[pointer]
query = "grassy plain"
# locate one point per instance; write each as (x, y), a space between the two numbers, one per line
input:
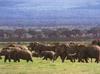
(40, 66)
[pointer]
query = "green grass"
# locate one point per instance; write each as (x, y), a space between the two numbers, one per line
(47, 67)
(40, 66)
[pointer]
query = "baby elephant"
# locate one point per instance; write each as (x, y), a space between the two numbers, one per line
(48, 54)
(35, 54)
(72, 57)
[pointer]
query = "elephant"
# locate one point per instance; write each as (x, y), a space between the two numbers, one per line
(25, 55)
(48, 54)
(61, 50)
(10, 54)
(38, 47)
(72, 57)
(23, 47)
(72, 52)
(16, 54)
(90, 51)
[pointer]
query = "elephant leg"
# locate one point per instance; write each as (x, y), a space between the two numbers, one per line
(31, 60)
(15, 60)
(51, 58)
(18, 60)
(9, 60)
(9, 57)
(46, 58)
(63, 58)
(55, 57)
(86, 60)
(43, 58)
(71, 60)
(27, 60)
(80, 60)
(5, 59)
(97, 60)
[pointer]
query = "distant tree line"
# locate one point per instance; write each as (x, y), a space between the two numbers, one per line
(49, 34)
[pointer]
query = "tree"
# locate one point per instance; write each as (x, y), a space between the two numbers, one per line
(20, 33)
(94, 31)
(76, 32)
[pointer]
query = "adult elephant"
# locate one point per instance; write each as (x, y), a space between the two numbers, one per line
(23, 47)
(72, 52)
(90, 51)
(10, 54)
(39, 47)
(16, 54)
(61, 50)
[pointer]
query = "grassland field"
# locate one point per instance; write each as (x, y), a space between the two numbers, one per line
(40, 66)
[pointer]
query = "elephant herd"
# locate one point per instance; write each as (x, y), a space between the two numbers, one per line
(66, 51)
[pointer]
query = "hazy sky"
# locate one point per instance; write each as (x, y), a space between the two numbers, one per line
(49, 10)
